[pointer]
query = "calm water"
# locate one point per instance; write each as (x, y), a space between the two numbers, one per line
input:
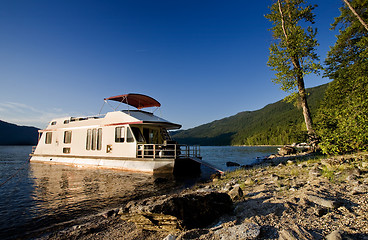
(40, 195)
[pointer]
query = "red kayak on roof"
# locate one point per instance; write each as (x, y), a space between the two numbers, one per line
(136, 100)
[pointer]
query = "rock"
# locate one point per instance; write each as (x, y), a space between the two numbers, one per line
(216, 176)
(351, 177)
(170, 237)
(315, 172)
(246, 166)
(236, 192)
(365, 164)
(193, 234)
(242, 231)
(322, 202)
(160, 180)
(228, 187)
(196, 209)
(286, 235)
(295, 232)
(287, 150)
(320, 211)
(232, 164)
(360, 189)
(109, 213)
(274, 177)
(335, 235)
(153, 221)
(249, 181)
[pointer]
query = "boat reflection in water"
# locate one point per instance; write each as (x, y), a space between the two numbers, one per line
(63, 192)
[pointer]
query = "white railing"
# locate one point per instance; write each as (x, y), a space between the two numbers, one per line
(167, 151)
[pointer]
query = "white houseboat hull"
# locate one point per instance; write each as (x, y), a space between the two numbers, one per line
(150, 166)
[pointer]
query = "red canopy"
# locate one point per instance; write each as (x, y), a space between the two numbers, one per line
(136, 100)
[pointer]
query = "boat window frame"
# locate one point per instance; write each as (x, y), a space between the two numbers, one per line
(89, 139)
(153, 134)
(137, 133)
(99, 139)
(48, 138)
(94, 136)
(94, 139)
(130, 136)
(120, 134)
(67, 137)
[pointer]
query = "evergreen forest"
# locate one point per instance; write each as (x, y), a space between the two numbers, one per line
(276, 124)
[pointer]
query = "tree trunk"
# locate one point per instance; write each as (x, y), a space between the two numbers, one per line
(303, 98)
(305, 107)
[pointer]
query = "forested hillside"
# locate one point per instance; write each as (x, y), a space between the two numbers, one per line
(275, 124)
(11, 134)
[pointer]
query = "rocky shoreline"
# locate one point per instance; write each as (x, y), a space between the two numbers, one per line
(293, 197)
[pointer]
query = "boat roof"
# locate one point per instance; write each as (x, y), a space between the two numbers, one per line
(136, 100)
(113, 119)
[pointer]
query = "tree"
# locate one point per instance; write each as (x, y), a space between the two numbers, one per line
(343, 116)
(293, 55)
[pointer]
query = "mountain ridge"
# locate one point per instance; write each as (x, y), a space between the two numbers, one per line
(12, 134)
(275, 124)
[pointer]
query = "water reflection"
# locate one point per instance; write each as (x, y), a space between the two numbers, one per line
(63, 193)
(57, 185)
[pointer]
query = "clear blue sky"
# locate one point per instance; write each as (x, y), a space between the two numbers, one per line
(202, 59)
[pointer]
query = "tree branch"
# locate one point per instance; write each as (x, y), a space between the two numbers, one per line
(283, 22)
(356, 14)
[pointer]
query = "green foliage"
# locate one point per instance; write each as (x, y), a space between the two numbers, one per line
(343, 117)
(275, 124)
(293, 55)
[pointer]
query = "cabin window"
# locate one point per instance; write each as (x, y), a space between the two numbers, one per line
(66, 150)
(94, 139)
(151, 136)
(99, 139)
(88, 140)
(138, 134)
(48, 138)
(53, 123)
(130, 137)
(94, 135)
(119, 134)
(67, 136)
(66, 121)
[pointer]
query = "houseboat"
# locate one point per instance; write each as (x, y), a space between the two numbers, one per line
(130, 140)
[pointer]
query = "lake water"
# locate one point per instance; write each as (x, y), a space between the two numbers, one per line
(36, 195)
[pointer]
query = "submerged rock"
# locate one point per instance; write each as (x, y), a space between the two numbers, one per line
(232, 164)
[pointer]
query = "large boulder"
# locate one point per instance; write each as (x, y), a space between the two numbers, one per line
(287, 150)
(194, 210)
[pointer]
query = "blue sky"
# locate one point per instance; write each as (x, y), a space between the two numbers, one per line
(203, 60)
